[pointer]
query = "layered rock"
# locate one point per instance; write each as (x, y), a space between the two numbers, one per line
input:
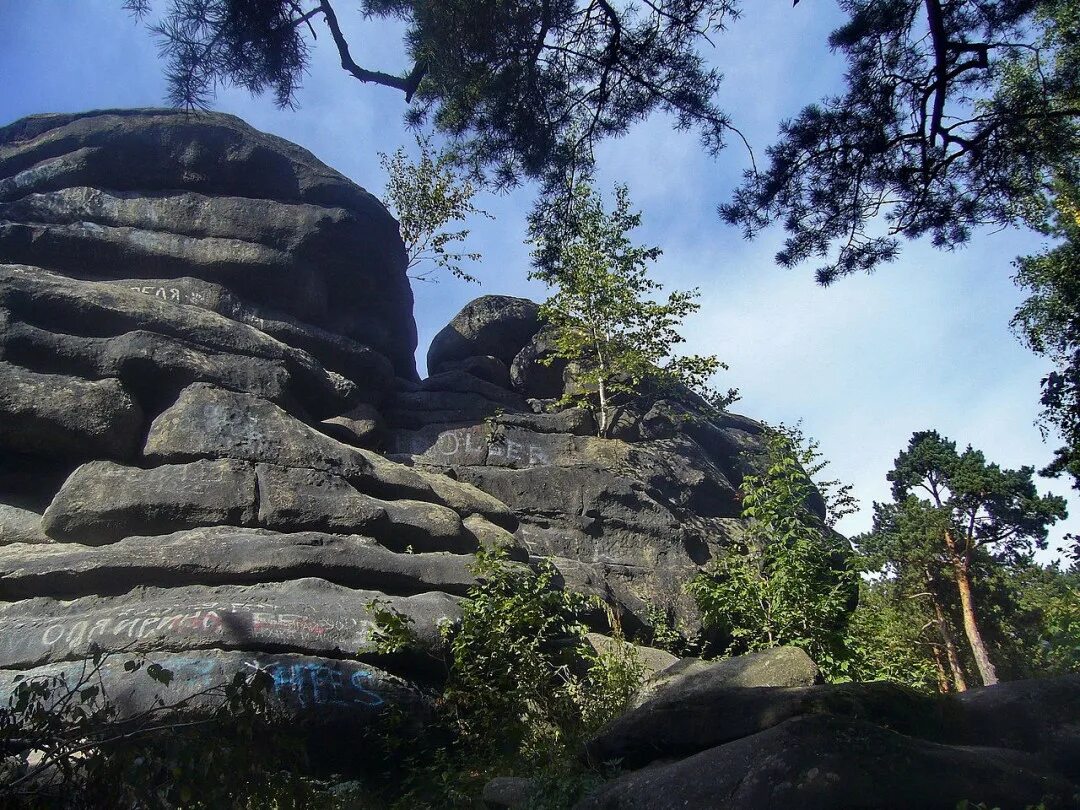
(631, 517)
(190, 310)
(215, 452)
(740, 733)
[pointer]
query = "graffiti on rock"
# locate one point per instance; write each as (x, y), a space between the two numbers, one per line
(236, 620)
(315, 684)
(475, 446)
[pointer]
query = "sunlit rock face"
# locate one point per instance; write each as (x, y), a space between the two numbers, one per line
(632, 516)
(214, 445)
(189, 309)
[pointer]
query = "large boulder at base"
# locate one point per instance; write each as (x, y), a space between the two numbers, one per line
(490, 326)
(690, 745)
(781, 666)
(680, 722)
(836, 763)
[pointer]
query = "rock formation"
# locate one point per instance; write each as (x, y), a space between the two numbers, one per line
(758, 732)
(183, 302)
(631, 517)
(215, 451)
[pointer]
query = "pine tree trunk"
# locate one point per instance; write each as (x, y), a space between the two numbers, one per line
(971, 628)
(967, 609)
(939, 670)
(950, 650)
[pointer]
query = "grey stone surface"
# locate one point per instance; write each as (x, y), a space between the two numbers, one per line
(652, 659)
(833, 763)
(493, 325)
(164, 193)
(461, 382)
(20, 526)
(465, 499)
(183, 338)
(485, 367)
(679, 723)
(780, 666)
(338, 353)
(103, 502)
(508, 793)
(490, 537)
(535, 372)
(362, 426)
(67, 417)
(1038, 715)
(308, 616)
(208, 422)
(224, 555)
(299, 499)
(307, 692)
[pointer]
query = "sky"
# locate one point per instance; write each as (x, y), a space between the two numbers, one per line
(924, 343)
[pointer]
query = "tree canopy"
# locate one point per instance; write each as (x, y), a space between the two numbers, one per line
(602, 313)
(1049, 323)
(953, 512)
(526, 87)
(955, 114)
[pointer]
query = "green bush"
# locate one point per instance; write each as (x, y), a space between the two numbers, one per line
(523, 690)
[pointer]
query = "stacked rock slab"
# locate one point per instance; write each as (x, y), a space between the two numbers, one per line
(184, 302)
(631, 517)
(757, 731)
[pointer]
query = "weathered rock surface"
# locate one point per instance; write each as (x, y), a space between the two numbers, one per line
(103, 502)
(491, 326)
(808, 746)
(20, 526)
(653, 660)
(310, 692)
(646, 515)
(680, 722)
(227, 556)
(158, 194)
(824, 762)
(782, 666)
(309, 616)
(55, 415)
(188, 307)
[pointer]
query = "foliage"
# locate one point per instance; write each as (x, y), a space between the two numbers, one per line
(601, 311)
(889, 637)
(426, 196)
(64, 742)
(1049, 323)
(1034, 619)
(522, 691)
(955, 114)
(912, 580)
(525, 88)
(790, 583)
(667, 633)
(973, 515)
(990, 506)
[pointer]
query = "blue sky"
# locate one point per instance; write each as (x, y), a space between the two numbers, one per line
(923, 343)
